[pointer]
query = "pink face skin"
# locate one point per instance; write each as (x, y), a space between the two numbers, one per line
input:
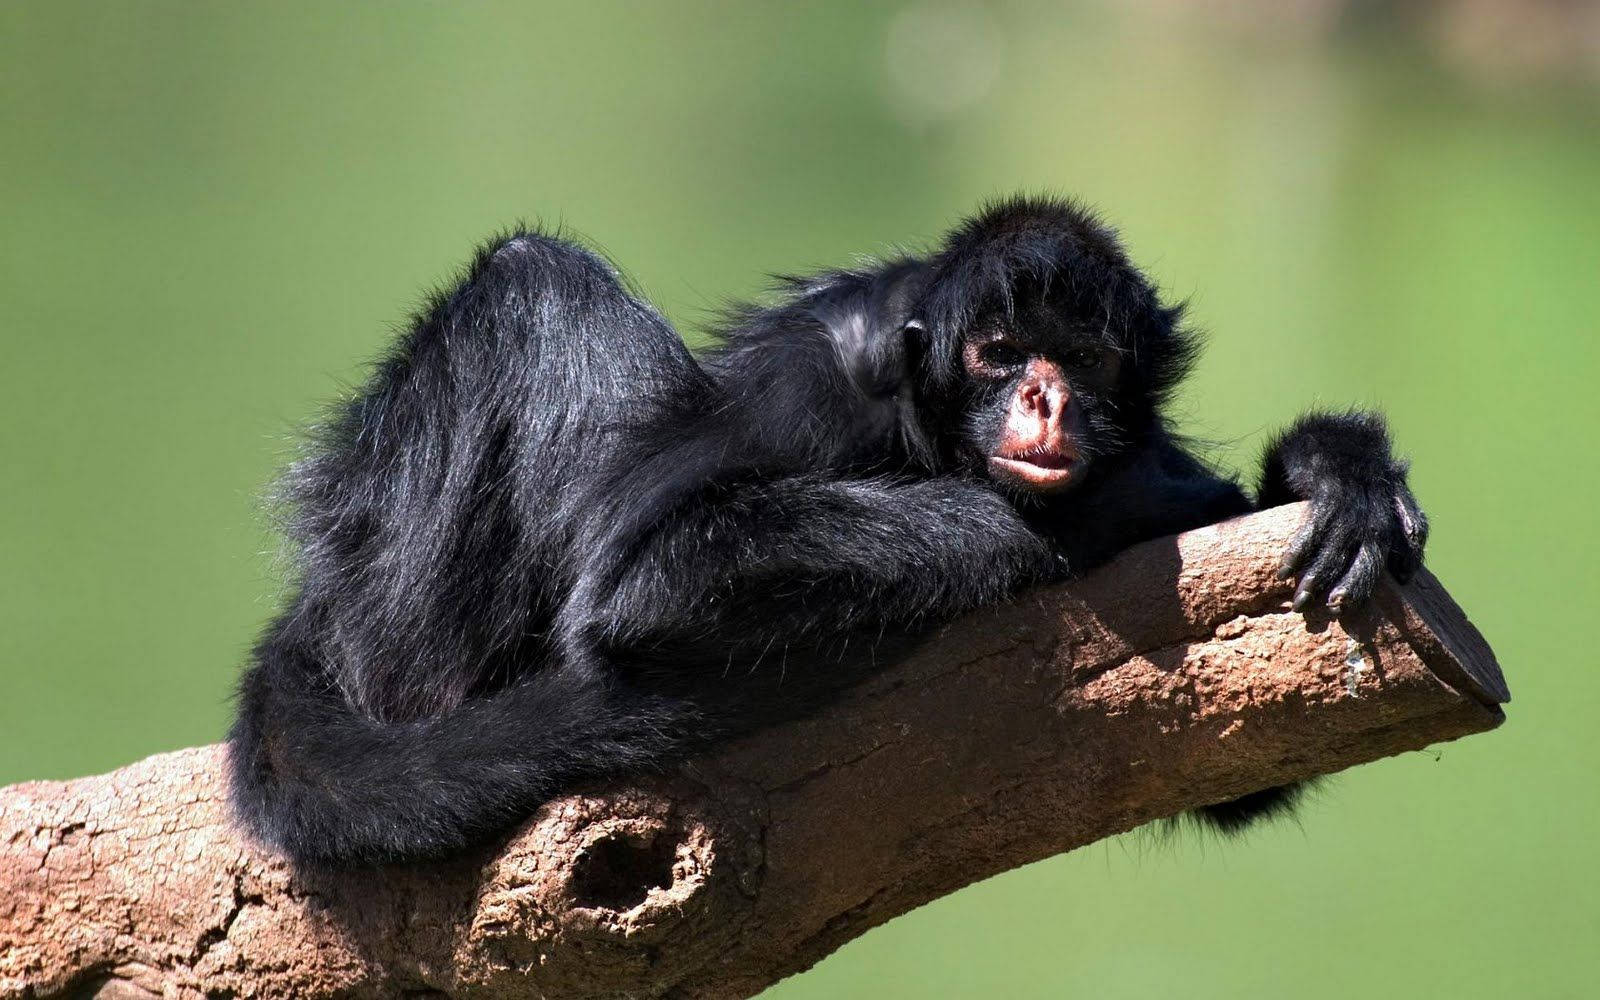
(1037, 450)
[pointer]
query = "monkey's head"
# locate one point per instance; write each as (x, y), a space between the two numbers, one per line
(1047, 353)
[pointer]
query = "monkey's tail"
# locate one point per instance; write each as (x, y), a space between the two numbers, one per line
(327, 785)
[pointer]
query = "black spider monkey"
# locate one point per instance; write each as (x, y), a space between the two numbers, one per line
(547, 544)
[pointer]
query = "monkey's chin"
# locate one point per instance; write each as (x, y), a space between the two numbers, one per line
(1045, 474)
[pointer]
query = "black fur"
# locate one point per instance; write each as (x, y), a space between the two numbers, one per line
(547, 544)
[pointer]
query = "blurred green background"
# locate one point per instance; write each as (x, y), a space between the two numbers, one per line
(214, 215)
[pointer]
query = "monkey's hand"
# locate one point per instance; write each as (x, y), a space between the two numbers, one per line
(1363, 516)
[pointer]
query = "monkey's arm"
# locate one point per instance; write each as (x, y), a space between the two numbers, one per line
(1160, 489)
(802, 559)
(1362, 515)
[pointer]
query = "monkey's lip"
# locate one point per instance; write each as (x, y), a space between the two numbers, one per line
(1038, 467)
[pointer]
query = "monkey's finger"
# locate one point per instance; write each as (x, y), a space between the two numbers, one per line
(1328, 566)
(1355, 587)
(1307, 538)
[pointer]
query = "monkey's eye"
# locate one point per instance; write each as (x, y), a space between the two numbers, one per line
(1001, 354)
(1087, 357)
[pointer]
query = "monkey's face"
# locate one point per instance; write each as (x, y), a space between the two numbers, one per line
(1048, 352)
(1040, 406)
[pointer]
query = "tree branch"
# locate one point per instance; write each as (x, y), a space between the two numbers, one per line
(1172, 678)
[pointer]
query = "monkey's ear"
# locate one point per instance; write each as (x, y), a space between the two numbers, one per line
(898, 359)
(914, 341)
(915, 439)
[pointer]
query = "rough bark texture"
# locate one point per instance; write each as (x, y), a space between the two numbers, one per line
(1172, 678)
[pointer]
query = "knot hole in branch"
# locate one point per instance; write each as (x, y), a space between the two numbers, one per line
(618, 871)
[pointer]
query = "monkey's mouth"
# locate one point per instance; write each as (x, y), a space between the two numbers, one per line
(1040, 467)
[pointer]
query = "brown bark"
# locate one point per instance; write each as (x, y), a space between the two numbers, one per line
(1172, 678)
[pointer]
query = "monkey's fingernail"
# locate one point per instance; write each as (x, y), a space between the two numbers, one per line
(1285, 569)
(1301, 599)
(1337, 599)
